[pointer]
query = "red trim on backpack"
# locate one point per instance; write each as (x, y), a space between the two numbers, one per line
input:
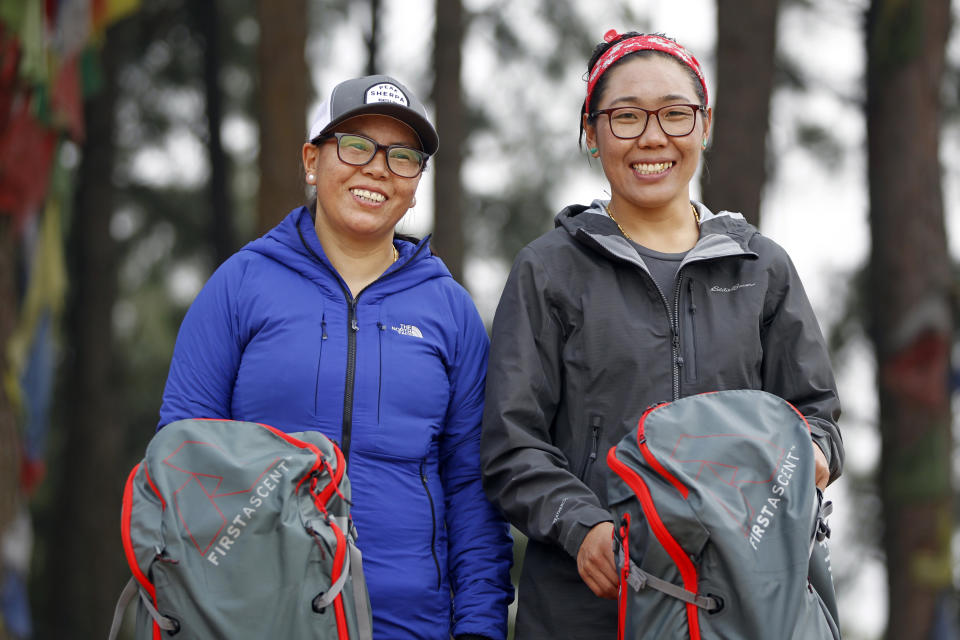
(163, 503)
(688, 572)
(342, 630)
(334, 485)
(624, 572)
(300, 444)
(802, 417)
(651, 460)
(125, 516)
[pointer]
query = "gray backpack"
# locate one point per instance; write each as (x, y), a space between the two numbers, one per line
(239, 530)
(721, 528)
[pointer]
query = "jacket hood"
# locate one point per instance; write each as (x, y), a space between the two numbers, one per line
(721, 234)
(294, 244)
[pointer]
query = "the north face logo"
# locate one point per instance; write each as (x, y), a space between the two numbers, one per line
(408, 330)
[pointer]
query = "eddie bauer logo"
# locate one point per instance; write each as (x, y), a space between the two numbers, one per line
(198, 500)
(739, 285)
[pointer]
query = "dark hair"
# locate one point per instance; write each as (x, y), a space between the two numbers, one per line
(601, 85)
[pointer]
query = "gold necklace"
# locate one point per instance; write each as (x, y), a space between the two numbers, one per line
(696, 216)
(396, 254)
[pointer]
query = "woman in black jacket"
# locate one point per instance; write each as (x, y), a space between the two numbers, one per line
(643, 298)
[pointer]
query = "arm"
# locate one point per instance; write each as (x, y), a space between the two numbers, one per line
(480, 548)
(207, 352)
(796, 364)
(525, 473)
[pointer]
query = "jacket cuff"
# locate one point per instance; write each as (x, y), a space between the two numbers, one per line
(823, 440)
(578, 530)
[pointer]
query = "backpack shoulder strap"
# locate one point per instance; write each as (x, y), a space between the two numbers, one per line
(130, 592)
(639, 579)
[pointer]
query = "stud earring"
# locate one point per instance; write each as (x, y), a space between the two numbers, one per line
(311, 178)
(594, 151)
(704, 145)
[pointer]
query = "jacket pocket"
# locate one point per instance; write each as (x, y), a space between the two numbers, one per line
(689, 354)
(316, 386)
(593, 446)
(433, 530)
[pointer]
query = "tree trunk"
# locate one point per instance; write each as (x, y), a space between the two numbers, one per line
(83, 560)
(9, 435)
(221, 214)
(909, 289)
(373, 40)
(451, 123)
(283, 95)
(736, 164)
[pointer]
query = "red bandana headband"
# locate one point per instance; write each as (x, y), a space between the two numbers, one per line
(641, 43)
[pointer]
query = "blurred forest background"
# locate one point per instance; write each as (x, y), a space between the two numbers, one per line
(141, 143)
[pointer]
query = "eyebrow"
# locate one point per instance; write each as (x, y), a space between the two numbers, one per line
(411, 145)
(667, 98)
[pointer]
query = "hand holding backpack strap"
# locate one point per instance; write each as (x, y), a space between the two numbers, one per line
(638, 579)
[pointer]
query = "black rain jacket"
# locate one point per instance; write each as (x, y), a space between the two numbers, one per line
(584, 341)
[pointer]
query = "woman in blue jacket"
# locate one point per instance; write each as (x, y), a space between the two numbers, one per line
(330, 322)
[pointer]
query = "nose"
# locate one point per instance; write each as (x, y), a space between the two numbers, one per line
(652, 135)
(377, 167)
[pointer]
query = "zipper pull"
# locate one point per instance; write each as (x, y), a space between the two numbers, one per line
(595, 424)
(354, 325)
(323, 328)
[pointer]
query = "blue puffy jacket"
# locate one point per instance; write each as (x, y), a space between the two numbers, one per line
(396, 376)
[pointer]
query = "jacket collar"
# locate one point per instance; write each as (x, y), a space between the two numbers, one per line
(723, 234)
(294, 243)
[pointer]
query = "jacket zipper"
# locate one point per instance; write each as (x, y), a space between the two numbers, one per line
(673, 319)
(690, 363)
(352, 329)
(596, 425)
(675, 330)
(433, 518)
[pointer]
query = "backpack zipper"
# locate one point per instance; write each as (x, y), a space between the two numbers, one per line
(433, 530)
(651, 459)
(688, 571)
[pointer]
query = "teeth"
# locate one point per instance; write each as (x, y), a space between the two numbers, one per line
(372, 196)
(646, 168)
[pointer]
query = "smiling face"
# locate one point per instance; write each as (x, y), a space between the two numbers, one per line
(361, 204)
(652, 172)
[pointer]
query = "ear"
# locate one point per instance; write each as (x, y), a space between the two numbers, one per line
(707, 123)
(590, 133)
(311, 158)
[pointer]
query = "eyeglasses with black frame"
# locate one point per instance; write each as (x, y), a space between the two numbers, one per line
(676, 120)
(357, 150)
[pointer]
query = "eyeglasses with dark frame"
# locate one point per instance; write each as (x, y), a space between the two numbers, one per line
(357, 150)
(676, 120)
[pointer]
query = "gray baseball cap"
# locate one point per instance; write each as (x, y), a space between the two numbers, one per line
(378, 94)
